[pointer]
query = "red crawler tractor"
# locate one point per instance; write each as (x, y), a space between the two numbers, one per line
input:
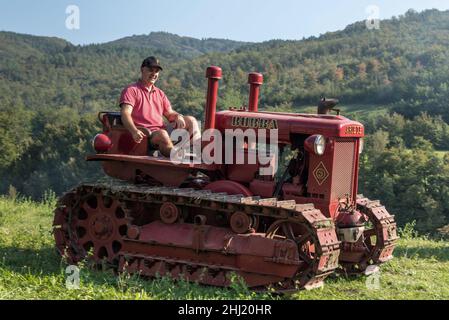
(204, 222)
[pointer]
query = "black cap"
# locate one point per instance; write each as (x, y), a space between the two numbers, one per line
(151, 62)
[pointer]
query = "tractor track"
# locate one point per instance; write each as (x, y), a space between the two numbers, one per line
(318, 233)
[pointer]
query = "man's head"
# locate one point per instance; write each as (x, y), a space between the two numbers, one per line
(150, 70)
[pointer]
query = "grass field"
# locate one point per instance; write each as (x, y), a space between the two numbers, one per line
(31, 269)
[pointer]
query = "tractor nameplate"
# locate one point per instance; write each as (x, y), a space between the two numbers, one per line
(354, 130)
(256, 123)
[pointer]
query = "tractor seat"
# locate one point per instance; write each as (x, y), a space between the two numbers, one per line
(114, 119)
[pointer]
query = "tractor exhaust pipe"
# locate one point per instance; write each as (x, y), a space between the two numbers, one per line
(255, 80)
(213, 73)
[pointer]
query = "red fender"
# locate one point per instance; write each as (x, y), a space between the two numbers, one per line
(230, 187)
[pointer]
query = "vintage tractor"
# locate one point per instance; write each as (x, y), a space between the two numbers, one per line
(205, 222)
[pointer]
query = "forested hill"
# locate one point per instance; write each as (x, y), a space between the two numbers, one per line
(403, 65)
(85, 78)
(51, 90)
(187, 47)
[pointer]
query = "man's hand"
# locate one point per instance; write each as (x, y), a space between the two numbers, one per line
(129, 124)
(138, 136)
(180, 122)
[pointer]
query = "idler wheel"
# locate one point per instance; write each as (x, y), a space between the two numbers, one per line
(169, 213)
(133, 232)
(240, 222)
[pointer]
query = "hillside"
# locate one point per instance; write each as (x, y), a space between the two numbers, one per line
(404, 65)
(31, 269)
(51, 90)
(187, 46)
(86, 78)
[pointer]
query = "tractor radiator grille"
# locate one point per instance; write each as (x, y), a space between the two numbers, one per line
(344, 168)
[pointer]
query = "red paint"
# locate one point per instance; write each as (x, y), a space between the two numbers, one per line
(246, 252)
(262, 188)
(230, 187)
(255, 80)
(102, 143)
(213, 74)
(288, 123)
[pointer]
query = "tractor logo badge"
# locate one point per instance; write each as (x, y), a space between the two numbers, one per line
(320, 173)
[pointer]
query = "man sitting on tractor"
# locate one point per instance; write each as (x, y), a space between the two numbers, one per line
(144, 105)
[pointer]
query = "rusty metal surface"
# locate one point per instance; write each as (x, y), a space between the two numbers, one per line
(378, 242)
(149, 160)
(299, 254)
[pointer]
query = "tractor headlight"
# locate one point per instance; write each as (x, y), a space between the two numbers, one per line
(315, 144)
(319, 144)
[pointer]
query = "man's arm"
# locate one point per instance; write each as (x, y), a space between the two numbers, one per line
(173, 116)
(128, 122)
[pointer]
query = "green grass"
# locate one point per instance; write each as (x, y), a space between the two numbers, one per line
(31, 269)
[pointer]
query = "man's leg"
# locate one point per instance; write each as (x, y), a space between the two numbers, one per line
(192, 127)
(161, 140)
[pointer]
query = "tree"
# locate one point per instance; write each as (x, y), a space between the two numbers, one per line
(339, 74)
(362, 71)
(15, 133)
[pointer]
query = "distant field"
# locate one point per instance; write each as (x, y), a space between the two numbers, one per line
(30, 269)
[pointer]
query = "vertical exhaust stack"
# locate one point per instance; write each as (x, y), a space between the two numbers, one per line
(213, 73)
(255, 80)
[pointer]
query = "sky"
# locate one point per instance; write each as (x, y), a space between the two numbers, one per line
(99, 21)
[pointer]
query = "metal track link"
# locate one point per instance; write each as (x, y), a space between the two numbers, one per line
(321, 229)
(384, 226)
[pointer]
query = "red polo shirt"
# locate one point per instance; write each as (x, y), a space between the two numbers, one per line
(148, 106)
